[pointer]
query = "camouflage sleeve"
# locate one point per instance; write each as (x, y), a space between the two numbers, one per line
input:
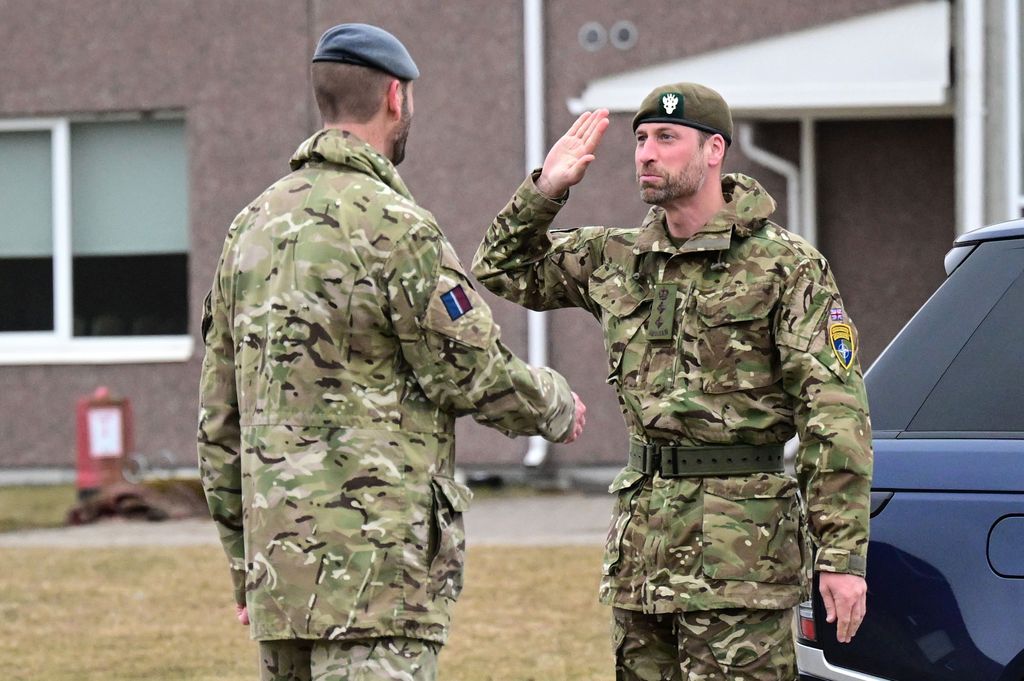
(818, 351)
(521, 261)
(451, 341)
(219, 436)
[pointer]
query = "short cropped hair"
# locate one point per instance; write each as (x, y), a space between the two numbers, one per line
(703, 136)
(347, 92)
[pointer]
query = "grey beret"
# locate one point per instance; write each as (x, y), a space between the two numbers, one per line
(365, 45)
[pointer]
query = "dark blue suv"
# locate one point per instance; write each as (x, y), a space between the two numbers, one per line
(946, 559)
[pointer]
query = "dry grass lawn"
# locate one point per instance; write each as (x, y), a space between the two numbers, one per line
(163, 614)
(28, 507)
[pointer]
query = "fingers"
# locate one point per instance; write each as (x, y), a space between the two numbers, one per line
(830, 603)
(856, 617)
(580, 419)
(845, 599)
(593, 129)
(589, 127)
(242, 613)
(579, 123)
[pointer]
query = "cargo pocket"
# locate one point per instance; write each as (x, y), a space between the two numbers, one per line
(734, 344)
(751, 529)
(626, 486)
(207, 321)
(753, 644)
(447, 549)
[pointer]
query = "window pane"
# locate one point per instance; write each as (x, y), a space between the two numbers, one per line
(129, 228)
(128, 188)
(26, 231)
(125, 295)
(981, 390)
(902, 378)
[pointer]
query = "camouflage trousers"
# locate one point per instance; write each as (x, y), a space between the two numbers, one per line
(396, 657)
(712, 645)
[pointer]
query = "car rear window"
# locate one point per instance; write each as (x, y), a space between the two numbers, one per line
(958, 364)
(982, 389)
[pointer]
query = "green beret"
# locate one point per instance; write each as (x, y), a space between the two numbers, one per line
(365, 45)
(689, 104)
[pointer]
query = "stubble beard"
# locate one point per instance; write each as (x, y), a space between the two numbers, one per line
(682, 185)
(401, 135)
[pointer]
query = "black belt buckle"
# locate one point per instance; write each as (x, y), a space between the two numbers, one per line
(652, 456)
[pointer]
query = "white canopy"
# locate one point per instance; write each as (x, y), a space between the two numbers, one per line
(876, 63)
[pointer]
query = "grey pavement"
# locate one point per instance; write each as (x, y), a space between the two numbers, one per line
(532, 520)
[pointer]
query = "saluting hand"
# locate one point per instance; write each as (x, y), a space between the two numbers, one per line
(567, 161)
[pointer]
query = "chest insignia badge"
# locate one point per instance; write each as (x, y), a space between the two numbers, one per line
(663, 314)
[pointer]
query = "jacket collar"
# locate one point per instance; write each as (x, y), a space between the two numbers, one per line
(342, 148)
(746, 210)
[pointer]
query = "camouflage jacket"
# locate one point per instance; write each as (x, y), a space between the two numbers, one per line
(343, 338)
(744, 357)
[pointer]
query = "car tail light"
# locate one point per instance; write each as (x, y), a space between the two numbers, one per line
(805, 621)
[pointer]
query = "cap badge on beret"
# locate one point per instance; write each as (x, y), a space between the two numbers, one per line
(669, 102)
(689, 104)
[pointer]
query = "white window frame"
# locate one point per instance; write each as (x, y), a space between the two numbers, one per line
(60, 346)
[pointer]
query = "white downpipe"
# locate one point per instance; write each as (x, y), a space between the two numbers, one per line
(808, 182)
(63, 324)
(1011, 90)
(972, 119)
(533, 70)
(788, 169)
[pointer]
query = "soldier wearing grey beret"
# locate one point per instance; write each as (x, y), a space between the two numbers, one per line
(365, 45)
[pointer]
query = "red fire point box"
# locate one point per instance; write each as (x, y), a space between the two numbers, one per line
(104, 439)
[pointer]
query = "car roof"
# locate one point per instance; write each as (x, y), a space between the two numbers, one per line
(1003, 230)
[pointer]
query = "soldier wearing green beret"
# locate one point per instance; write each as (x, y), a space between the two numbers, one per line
(726, 336)
(343, 338)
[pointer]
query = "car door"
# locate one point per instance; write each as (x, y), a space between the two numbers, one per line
(946, 558)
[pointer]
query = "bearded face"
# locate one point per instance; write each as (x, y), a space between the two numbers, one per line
(659, 185)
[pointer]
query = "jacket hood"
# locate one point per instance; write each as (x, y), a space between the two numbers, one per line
(342, 148)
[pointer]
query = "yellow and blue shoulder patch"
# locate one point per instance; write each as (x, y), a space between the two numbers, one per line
(840, 338)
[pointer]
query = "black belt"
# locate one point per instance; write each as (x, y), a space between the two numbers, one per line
(680, 461)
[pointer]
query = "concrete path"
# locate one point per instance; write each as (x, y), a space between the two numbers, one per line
(538, 520)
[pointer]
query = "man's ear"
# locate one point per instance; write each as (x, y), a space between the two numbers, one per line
(394, 99)
(716, 150)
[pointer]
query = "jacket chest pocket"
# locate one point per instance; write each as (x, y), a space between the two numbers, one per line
(734, 338)
(625, 308)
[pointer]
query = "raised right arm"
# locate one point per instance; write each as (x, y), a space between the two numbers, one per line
(519, 259)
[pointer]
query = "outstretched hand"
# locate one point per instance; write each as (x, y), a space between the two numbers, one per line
(579, 421)
(567, 161)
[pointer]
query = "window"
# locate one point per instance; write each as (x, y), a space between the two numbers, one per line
(93, 241)
(954, 367)
(980, 391)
